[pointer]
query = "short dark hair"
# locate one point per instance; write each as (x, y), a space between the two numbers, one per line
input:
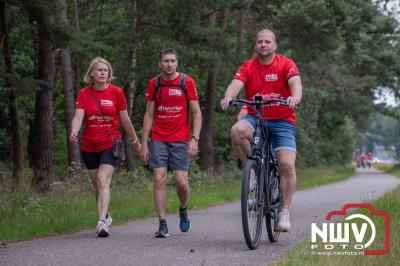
(168, 51)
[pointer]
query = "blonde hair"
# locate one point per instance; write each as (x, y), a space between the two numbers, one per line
(88, 76)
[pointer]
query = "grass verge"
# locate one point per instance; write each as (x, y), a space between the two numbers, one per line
(26, 214)
(389, 168)
(67, 208)
(312, 177)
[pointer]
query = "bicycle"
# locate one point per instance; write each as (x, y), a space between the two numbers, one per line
(260, 185)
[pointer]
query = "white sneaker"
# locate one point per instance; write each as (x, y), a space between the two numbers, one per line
(108, 219)
(102, 229)
(283, 223)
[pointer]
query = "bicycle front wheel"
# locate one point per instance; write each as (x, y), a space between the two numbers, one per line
(252, 210)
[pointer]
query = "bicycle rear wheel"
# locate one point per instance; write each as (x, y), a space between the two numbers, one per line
(252, 211)
(272, 206)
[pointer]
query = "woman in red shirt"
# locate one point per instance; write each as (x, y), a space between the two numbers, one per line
(102, 107)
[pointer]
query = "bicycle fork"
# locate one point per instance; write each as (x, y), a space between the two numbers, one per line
(261, 182)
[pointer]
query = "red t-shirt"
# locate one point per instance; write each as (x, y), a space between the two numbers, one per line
(270, 81)
(170, 112)
(96, 134)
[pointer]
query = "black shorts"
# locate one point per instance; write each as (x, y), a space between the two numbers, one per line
(93, 160)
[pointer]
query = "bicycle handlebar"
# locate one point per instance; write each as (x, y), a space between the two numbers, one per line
(258, 102)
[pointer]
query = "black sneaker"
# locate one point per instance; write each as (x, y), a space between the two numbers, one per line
(162, 230)
(184, 224)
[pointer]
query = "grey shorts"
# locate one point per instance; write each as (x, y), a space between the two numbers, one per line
(172, 155)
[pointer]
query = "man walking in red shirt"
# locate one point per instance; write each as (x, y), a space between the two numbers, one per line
(272, 76)
(169, 98)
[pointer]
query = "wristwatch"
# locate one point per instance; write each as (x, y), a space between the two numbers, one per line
(133, 141)
(195, 138)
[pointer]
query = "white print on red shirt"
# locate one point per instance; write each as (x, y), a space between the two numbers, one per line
(105, 102)
(103, 119)
(100, 118)
(170, 109)
(271, 95)
(175, 92)
(168, 116)
(271, 77)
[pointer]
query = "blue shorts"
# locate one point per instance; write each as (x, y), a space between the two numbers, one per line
(173, 155)
(283, 134)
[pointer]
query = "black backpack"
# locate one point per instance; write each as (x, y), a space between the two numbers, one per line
(158, 87)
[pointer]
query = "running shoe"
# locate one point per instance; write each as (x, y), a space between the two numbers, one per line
(102, 229)
(283, 222)
(108, 219)
(184, 224)
(162, 230)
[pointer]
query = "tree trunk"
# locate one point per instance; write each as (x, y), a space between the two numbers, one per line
(240, 57)
(207, 158)
(76, 14)
(42, 127)
(42, 123)
(14, 109)
(321, 115)
(240, 34)
(74, 156)
(130, 85)
(77, 28)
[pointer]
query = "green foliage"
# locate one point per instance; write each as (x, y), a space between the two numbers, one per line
(384, 130)
(338, 140)
(345, 50)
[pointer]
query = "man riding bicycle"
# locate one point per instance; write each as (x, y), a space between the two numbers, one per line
(272, 76)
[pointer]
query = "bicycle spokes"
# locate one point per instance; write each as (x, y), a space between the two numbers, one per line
(252, 209)
(271, 217)
(252, 197)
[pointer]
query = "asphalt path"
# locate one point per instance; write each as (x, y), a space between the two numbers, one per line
(215, 238)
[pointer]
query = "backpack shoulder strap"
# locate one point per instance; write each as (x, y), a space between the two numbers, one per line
(183, 88)
(157, 85)
(182, 83)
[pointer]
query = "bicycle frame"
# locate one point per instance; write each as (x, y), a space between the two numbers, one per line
(259, 152)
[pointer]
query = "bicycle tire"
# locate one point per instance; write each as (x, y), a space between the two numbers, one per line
(252, 211)
(271, 214)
